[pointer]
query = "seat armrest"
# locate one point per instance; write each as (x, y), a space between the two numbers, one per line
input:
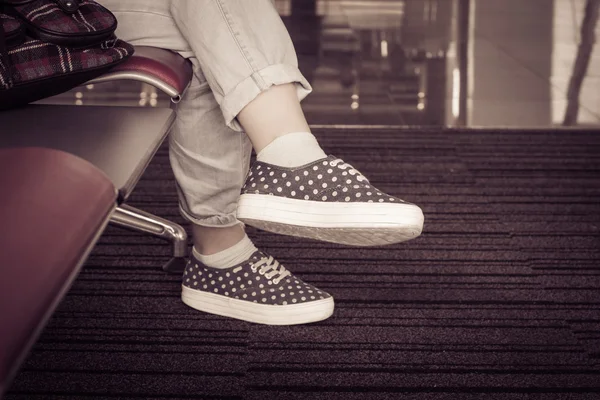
(163, 69)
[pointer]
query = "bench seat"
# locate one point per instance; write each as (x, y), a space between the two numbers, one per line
(53, 207)
(65, 172)
(163, 69)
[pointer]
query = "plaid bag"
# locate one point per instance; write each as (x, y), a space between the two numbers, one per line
(13, 30)
(31, 69)
(64, 22)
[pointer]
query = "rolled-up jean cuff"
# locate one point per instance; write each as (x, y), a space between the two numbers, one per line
(215, 221)
(248, 89)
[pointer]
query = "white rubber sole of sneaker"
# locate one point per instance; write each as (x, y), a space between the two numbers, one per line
(291, 314)
(355, 224)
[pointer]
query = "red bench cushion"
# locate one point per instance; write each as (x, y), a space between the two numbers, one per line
(52, 207)
(164, 65)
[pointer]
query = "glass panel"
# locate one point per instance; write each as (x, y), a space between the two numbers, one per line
(430, 63)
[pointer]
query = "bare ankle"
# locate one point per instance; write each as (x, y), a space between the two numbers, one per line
(211, 240)
(274, 113)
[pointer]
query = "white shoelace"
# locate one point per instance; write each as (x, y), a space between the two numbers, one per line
(338, 162)
(269, 269)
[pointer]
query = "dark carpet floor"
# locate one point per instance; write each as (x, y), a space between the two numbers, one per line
(498, 299)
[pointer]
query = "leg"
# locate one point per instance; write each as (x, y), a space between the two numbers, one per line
(211, 240)
(251, 65)
(244, 50)
(210, 161)
(200, 142)
(293, 188)
(285, 116)
(223, 276)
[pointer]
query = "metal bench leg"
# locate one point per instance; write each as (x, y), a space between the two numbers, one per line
(131, 218)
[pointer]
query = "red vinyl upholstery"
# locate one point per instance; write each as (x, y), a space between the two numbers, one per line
(53, 206)
(161, 64)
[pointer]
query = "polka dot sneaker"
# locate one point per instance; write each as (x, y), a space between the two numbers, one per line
(258, 290)
(327, 200)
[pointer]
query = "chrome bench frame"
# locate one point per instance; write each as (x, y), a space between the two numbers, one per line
(129, 217)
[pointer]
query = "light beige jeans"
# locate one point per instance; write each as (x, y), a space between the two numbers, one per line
(239, 48)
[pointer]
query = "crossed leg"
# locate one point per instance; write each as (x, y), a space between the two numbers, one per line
(246, 93)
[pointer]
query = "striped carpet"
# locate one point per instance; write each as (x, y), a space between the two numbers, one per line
(499, 298)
